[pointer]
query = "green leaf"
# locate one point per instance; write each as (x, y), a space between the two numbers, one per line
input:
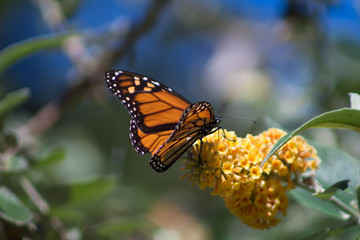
(12, 209)
(322, 234)
(13, 100)
(330, 231)
(70, 215)
(342, 118)
(335, 166)
(306, 198)
(21, 49)
(355, 100)
(82, 192)
(50, 157)
(330, 191)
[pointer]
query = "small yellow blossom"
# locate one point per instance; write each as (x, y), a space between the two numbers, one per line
(231, 167)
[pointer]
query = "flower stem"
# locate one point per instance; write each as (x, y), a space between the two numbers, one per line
(346, 208)
(333, 199)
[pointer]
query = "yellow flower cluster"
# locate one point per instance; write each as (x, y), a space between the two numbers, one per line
(230, 166)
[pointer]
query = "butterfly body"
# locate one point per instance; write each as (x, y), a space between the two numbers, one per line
(162, 121)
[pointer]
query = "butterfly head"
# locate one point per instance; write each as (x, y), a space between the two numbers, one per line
(217, 120)
(213, 126)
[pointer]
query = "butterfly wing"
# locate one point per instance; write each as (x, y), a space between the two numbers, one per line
(153, 106)
(145, 143)
(196, 122)
(162, 121)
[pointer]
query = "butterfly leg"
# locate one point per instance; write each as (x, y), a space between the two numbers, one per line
(201, 144)
(224, 135)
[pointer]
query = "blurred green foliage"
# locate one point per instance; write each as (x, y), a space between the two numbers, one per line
(68, 171)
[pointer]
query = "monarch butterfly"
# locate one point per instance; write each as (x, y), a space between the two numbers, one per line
(162, 121)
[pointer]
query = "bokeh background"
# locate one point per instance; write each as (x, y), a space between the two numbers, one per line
(280, 62)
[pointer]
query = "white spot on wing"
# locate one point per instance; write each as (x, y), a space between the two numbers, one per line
(156, 83)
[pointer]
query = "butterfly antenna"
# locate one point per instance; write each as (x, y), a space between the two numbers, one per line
(239, 118)
(223, 107)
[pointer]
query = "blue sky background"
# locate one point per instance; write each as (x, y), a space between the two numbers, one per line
(21, 20)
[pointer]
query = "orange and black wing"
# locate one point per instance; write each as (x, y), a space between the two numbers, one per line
(197, 121)
(147, 142)
(154, 108)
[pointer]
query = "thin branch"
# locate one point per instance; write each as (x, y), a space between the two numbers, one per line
(346, 208)
(34, 196)
(39, 202)
(331, 231)
(52, 112)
